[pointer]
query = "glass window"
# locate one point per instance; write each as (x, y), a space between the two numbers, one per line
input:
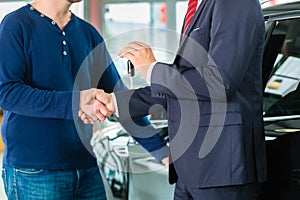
(181, 8)
(282, 92)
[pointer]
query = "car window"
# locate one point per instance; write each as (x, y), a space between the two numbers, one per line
(282, 91)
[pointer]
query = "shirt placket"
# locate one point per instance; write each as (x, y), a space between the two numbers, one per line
(64, 40)
(65, 49)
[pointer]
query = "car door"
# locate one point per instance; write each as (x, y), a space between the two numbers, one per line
(281, 77)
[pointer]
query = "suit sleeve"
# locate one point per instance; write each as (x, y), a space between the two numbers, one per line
(137, 103)
(139, 127)
(236, 31)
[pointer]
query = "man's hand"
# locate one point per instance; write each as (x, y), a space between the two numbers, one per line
(106, 99)
(91, 110)
(140, 54)
(166, 161)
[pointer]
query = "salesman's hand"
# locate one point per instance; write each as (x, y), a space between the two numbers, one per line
(166, 161)
(106, 99)
(140, 54)
(90, 109)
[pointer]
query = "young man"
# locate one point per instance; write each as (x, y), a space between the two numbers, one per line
(42, 46)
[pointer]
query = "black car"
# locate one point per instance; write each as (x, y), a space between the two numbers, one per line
(281, 76)
(128, 166)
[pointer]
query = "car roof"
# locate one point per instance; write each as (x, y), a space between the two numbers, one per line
(293, 7)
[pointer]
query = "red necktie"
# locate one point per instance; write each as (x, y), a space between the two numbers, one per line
(192, 7)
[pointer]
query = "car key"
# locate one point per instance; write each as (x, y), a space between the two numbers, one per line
(130, 68)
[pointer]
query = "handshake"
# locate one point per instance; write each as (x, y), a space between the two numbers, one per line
(95, 105)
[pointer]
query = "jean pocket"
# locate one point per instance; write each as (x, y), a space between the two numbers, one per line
(29, 171)
(4, 178)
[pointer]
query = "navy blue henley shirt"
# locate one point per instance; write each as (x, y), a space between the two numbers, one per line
(38, 66)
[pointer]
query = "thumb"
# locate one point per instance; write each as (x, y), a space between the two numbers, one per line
(106, 99)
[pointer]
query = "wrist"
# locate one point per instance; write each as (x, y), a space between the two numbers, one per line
(143, 70)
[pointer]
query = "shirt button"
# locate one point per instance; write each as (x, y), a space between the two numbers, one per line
(31, 8)
(65, 53)
(63, 33)
(42, 15)
(64, 42)
(53, 23)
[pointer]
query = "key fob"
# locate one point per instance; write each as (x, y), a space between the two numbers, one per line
(130, 68)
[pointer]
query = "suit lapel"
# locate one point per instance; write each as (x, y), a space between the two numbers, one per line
(197, 15)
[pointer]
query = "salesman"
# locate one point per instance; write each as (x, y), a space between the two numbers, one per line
(214, 101)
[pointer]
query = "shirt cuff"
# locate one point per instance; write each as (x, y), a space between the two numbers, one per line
(149, 72)
(115, 104)
(161, 153)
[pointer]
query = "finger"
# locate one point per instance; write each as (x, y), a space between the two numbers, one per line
(137, 45)
(142, 44)
(107, 100)
(139, 53)
(98, 113)
(80, 113)
(105, 111)
(92, 116)
(100, 116)
(91, 121)
(130, 57)
(84, 118)
(123, 51)
(101, 111)
(128, 50)
(131, 47)
(87, 119)
(101, 97)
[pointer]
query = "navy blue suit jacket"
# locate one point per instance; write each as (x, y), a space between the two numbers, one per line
(213, 96)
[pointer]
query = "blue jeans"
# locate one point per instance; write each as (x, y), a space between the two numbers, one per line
(38, 184)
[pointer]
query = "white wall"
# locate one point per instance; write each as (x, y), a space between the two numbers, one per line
(7, 7)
